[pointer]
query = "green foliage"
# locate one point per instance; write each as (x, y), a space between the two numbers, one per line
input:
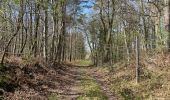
(17, 1)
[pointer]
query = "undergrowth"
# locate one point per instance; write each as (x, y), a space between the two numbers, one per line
(153, 84)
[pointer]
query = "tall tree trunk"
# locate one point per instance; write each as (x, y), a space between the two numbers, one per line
(64, 31)
(55, 16)
(37, 17)
(137, 58)
(127, 48)
(144, 24)
(31, 30)
(169, 27)
(46, 32)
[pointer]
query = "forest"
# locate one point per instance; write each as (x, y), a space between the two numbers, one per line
(84, 49)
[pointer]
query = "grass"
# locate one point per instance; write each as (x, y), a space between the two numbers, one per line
(92, 90)
(83, 62)
(53, 97)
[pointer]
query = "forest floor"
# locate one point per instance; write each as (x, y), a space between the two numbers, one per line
(22, 80)
(31, 79)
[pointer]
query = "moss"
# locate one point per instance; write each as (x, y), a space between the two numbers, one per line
(2, 67)
(5, 81)
(6, 84)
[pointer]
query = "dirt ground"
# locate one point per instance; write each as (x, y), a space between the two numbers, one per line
(35, 81)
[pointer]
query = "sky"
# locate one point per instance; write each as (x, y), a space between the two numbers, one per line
(86, 10)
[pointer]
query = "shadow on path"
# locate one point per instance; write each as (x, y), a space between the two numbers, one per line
(80, 74)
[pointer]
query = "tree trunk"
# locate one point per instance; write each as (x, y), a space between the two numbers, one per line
(137, 59)
(37, 17)
(169, 27)
(46, 32)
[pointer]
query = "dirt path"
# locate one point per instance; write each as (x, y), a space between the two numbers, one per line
(62, 82)
(88, 85)
(99, 78)
(73, 91)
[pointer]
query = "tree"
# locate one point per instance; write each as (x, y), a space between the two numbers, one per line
(169, 27)
(20, 19)
(41, 29)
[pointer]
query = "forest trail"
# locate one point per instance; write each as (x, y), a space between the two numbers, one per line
(59, 82)
(88, 85)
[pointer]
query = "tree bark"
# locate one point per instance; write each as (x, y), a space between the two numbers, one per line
(137, 59)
